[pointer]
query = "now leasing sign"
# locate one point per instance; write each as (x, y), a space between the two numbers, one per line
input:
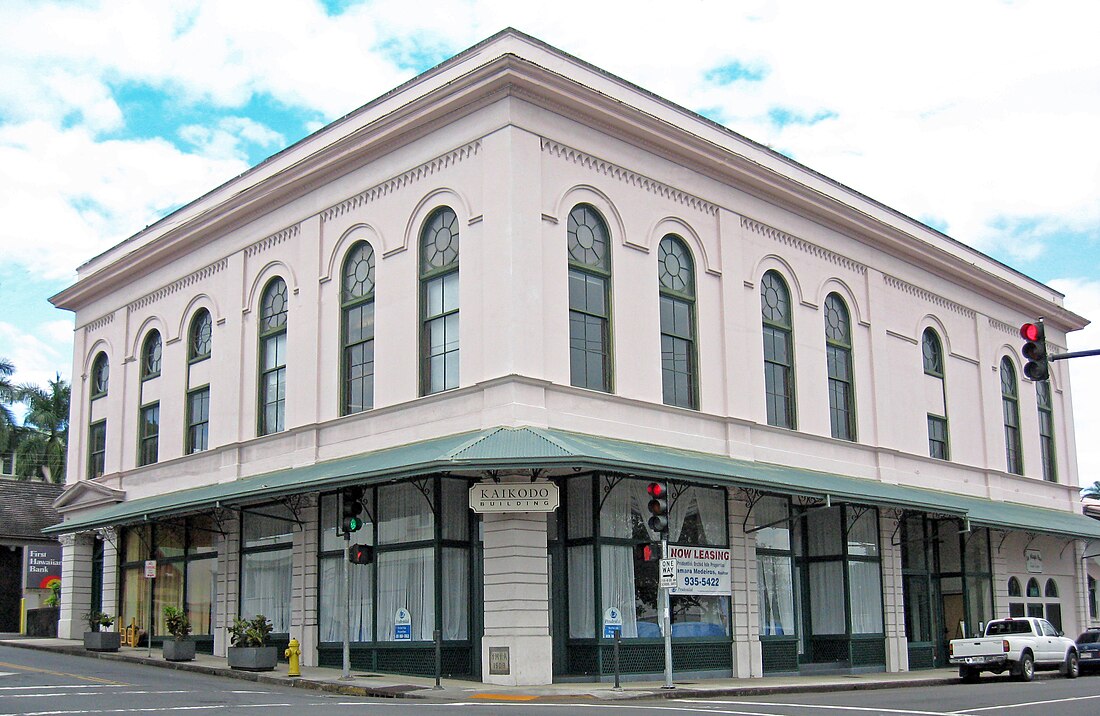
(701, 570)
(514, 497)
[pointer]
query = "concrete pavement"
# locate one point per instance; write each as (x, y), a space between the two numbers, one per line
(398, 686)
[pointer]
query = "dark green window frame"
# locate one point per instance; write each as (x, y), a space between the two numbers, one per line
(779, 386)
(838, 354)
(149, 434)
(198, 420)
(97, 448)
(101, 373)
(589, 250)
(439, 302)
(679, 362)
(273, 346)
(357, 330)
(938, 431)
(200, 336)
(1010, 407)
(151, 354)
(1046, 430)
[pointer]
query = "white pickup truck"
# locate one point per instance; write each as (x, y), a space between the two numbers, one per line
(1017, 645)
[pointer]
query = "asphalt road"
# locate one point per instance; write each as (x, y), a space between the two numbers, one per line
(36, 683)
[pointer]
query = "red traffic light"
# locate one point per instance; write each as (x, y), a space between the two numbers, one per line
(1030, 332)
(361, 554)
(647, 552)
(655, 490)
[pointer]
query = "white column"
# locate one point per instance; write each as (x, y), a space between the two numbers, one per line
(111, 584)
(228, 569)
(893, 596)
(517, 598)
(76, 585)
(303, 618)
(747, 657)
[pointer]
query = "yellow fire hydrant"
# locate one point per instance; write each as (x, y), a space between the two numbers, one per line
(293, 651)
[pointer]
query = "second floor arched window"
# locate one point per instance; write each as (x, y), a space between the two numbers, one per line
(151, 356)
(199, 336)
(838, 359)
(101, 373)
(1046, 429)
(589, 247)
(272, 387)
(357, 329)
(439, 302)
(676, 276)
(1010, 406)
(935, 395)
(775, 307)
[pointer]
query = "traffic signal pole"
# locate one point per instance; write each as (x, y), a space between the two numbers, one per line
(666, 618)
(346, 675)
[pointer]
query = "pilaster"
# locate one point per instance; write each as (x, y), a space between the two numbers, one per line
(303, 617)
(744, 603)
(893, 596)
(228, 571)
(76, 585)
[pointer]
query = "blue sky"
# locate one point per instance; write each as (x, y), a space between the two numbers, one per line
(978, 118)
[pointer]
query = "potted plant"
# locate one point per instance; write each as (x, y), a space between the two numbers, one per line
(97, 638)
(180, 647)
(248, 649)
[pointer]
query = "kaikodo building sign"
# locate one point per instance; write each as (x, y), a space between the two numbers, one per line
(514, 497)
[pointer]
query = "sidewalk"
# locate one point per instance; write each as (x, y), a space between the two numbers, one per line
(415, 687)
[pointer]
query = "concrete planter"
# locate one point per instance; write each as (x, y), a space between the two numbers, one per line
(183, 650)
(102, 640)
(253, 658)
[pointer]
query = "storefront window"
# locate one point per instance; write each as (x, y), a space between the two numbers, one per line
(266, 564)
(774, 577)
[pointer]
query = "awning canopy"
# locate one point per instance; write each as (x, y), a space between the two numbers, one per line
(548, 449)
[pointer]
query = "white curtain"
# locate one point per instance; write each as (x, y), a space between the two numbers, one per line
(617, 585)
(456, 594)
(266, 587)
(406, 579)
(582, 593)
(827, 597)
(865, 585)
(456, 509)
(776, 595)
(712, 513)
(405, 515)
(331, 607)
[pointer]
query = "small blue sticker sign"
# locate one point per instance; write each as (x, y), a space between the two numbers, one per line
(612, 622)
(402, 625)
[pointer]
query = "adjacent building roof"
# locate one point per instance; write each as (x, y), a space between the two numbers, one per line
(527, 448)
(26, 508)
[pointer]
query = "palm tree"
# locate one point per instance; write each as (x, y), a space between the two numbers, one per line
(7, 397)
(1091, 491)
(41, 451)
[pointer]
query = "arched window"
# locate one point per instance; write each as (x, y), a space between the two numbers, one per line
(1033, 588)
(1013, 587)
(1051, 589)
(439, 302)
(1046, 429)
(357, 330)
(935, 395)
(272, 388)
(775, 306)
(199, 342)
(1010, 405)
(676, 275)
(199, 336)
(101, 373)
(589, 246)
(838, 358)
(1093, 611)
(150, 356)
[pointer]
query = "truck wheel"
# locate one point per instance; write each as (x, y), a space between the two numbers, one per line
(969, 674)
(1073, 665)
(1025, 669)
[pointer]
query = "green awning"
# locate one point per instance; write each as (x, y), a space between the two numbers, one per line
(530, 448)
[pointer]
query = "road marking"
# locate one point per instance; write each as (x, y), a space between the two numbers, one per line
(878, 710)
(154, 709)
(1029, 703)
(50, 695)
(62, 686)
(61, 673)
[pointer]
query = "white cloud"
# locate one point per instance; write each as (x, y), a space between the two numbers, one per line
(1083, 297)
(228, 138)
(36, 355)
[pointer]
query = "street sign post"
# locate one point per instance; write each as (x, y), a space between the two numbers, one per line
(668, 573)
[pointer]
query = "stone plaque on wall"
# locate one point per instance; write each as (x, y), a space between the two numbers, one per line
(498, 661)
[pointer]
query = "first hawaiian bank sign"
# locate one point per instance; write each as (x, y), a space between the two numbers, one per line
(514, 497)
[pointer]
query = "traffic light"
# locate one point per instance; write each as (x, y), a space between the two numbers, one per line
(351, 506)
(646, 552)
(361, 554)
(658, 508)
(1035, 350)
